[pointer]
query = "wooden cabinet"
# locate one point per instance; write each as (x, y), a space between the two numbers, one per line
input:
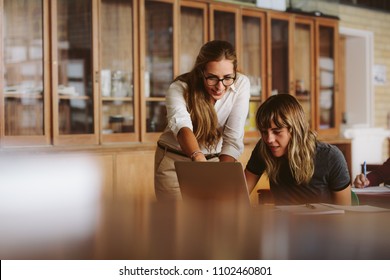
(252, 61)
(224, 20)
(303, 84)
(157, 63)
(74, 63)
(193, 33)
(24, 81)
(302, 61)
(96, 72)
(328, 111)
(280, 56)
(172, 33)
(118, 71)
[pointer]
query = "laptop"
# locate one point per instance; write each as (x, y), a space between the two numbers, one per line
(212, 181)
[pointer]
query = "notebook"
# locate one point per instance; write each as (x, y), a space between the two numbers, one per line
(212, 181)
(375, 189)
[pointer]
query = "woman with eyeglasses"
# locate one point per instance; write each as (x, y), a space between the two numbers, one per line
(300, 168)
(206, 111)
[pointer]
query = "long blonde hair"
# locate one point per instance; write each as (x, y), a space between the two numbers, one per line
(285, 111)
(199, 102)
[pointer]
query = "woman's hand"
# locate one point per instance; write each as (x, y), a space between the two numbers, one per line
(226, 158)
(199, 157)
(361, 181)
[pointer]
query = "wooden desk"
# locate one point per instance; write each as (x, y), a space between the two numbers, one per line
(138, 230)
(374, 198)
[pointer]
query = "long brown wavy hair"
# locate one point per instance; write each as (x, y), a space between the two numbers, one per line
(199, 102)
(285, 111)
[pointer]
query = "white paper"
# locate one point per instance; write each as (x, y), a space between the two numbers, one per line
(310, 209)
(358, 208)
(377, 189)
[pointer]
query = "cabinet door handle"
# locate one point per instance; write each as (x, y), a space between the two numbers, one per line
(97, 80)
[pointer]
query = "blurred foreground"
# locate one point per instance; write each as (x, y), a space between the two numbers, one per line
(51, 209)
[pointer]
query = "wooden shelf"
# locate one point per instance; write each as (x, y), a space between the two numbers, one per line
(72, 97)
(155, 99)
(117, 99)
(17, 95)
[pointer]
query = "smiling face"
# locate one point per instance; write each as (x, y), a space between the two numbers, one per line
(276, 139)
(218, 70)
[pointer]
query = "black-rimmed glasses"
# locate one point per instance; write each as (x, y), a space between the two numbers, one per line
(213, 80)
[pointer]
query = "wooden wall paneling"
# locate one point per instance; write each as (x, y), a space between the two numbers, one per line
(106, 163)
(135, 175)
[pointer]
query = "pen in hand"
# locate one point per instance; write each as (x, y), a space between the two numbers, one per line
(365, 169)
(364, 173)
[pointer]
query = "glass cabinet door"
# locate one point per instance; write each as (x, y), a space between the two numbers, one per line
(279, 41)
(192, 34)
(327, 85)
(74, 74)
(117, 71)
(304, 66)
(24, 96)
(253, 64)
(158, 62)
(223, 23)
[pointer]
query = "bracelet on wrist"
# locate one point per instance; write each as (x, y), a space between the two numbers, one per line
(193, 155)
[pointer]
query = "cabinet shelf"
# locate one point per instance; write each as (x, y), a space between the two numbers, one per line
(117, 99)
(303, 97)
(155, 99)
(255, 98)
(68, 97)
(22, 95)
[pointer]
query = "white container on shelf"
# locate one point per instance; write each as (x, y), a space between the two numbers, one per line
(267, 4)
(279, 5)
(147, 84)
(105, 77)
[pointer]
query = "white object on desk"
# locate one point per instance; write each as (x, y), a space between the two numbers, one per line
(45, 199)
(377, 189)
(358, 208)
(310, 209)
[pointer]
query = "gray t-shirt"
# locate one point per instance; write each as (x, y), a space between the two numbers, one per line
(330, 174)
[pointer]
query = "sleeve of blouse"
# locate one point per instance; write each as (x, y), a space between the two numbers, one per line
(177, 114)
(233, 133)
(339, 177)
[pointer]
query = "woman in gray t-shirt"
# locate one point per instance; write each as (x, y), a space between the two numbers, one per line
(300, 168)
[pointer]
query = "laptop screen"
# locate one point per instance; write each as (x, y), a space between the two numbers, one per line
(216, 181)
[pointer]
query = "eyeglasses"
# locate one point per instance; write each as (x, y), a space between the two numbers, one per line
(213, 80)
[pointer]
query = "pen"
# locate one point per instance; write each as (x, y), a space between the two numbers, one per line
(365, 169)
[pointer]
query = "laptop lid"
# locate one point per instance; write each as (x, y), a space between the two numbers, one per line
(216, 181)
